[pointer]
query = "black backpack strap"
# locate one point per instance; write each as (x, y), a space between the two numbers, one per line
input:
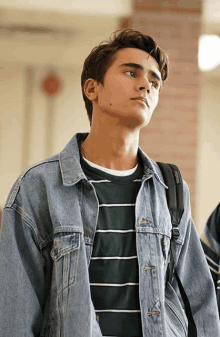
(192, 332)
(173, 179)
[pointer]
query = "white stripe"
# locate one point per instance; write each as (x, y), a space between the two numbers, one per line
(215, 271)
(112, 171)
(100, 181)
(208, 258)
(114, 258)
(113, 205)
(218, 288)
(114, 284)
(136, 180)
(112, 310)
(218, 281)
(115, 230)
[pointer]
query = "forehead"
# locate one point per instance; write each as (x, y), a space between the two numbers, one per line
(134, 55)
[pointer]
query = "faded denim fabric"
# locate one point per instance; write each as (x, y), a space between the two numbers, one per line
(48, 228)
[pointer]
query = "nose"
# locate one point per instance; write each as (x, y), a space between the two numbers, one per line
(145, 85)
(142, 88)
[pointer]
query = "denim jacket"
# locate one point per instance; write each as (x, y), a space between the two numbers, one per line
(48, 228)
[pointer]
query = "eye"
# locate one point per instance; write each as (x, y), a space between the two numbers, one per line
(154, 84)
(131, 72)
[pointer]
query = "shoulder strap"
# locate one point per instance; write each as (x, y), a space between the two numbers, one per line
(174, 193)
(173, 179)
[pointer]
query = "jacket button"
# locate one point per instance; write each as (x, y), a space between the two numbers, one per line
(148, 268)
(151, 313)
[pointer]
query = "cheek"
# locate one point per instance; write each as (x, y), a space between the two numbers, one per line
(115, 97)
(118, 89)
(155, 100)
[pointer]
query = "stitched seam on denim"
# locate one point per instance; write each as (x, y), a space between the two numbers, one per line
(62, 290)
(153, 230)
(24, 216)
(88, 241)
(45, 242)
(179, 247)
(47, 161)
(70, 284)
(69, 183)
(39, 164)
(14, 192)
(16, 187)
(64, 252)
(28, 221)
(52, 237)
(177, 315)
(174, 330)
(68, 229)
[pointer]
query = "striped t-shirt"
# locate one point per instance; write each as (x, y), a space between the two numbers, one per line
(113, 270)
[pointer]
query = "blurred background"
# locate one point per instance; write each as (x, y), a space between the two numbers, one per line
(42, 50)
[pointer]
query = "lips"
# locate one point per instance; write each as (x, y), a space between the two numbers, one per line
(141, 99)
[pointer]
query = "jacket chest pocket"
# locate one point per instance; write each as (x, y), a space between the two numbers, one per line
(65, 253)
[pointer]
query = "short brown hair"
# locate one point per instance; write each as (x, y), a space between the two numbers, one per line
(101, 58)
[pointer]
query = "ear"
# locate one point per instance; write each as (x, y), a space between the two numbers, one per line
(90, 89)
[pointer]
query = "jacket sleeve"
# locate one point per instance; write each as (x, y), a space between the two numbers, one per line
(211, 232)
(196, 278)
(22, 276)
(210, 240)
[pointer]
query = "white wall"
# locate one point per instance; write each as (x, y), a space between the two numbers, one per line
(23, 143)
(11, 127)
(208, 156)
(208, 159)
(119, 7)
(25, 60)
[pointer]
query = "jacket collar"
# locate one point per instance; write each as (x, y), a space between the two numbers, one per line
(71, 169)
(151, 168)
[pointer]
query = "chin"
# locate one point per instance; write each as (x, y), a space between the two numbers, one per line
(136, 122)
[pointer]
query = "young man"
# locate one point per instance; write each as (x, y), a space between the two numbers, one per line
(86, 233)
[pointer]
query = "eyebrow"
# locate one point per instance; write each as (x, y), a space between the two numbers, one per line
(140, 67)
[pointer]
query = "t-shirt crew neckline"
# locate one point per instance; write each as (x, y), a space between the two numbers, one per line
(97, 173)
(111, 171)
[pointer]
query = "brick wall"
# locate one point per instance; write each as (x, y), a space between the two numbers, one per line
(171, 135)
(171, 6)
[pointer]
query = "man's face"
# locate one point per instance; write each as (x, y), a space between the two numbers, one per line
(133, 73)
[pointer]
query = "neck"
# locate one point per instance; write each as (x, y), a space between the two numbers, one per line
(114, 149)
